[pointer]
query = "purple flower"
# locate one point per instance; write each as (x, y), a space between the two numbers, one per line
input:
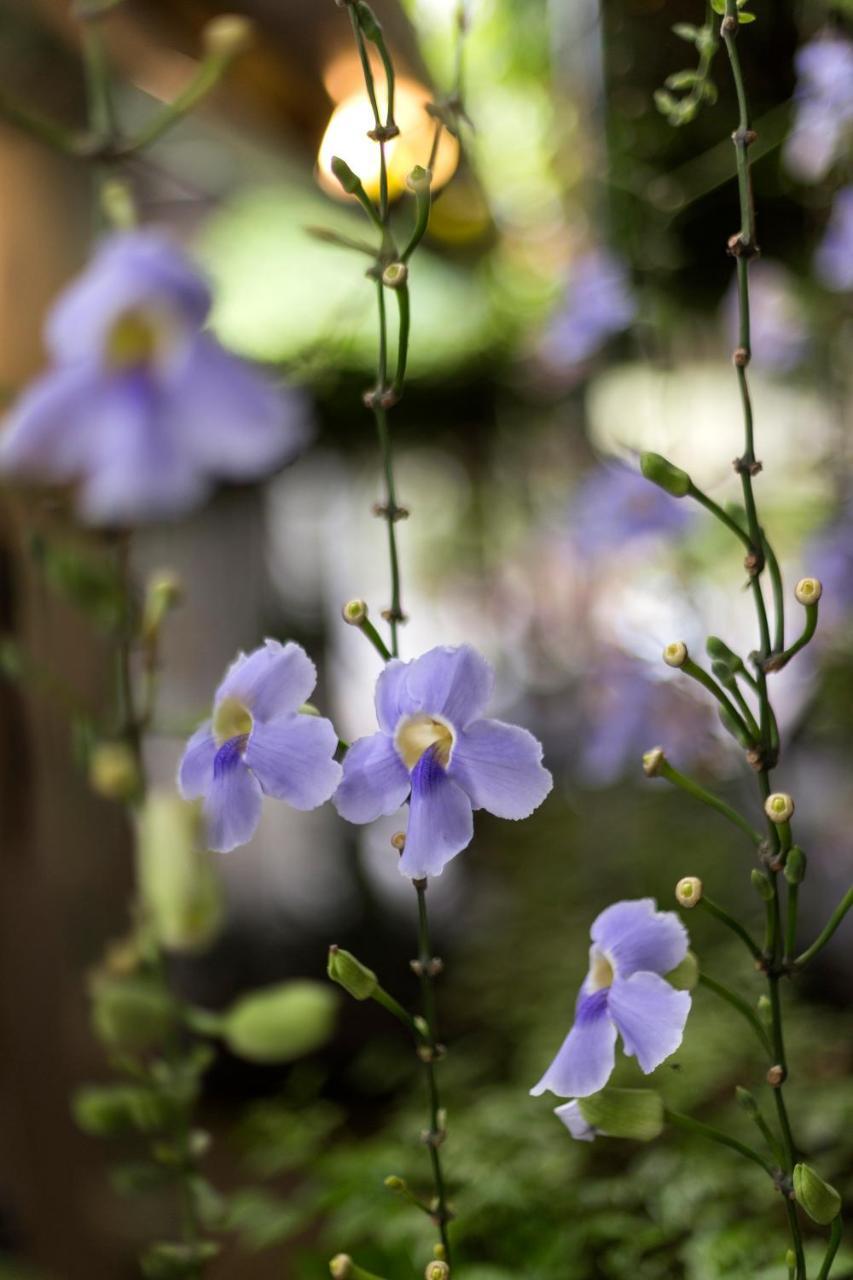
(599, 303)
(830, 557)
(615, 504)
(824, 101)
(140, 408)
(834, 257)
(779, 337)
(434, 747)
(625, 992)
(258, 743)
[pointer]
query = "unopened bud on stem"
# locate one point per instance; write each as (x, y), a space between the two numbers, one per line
(228, 35)
(779, 807)
(351, 974)
(340, 1267)
(688, 891)
(808, 590)
(675, 654)
(437, 1270)
(395, 275)
(652, 762)
(354, 612)
(661, 472)
(819, 1199)
(761, 884)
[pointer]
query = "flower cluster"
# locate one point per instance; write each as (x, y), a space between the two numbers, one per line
(625, 993)
(141, 409)
(433, 748)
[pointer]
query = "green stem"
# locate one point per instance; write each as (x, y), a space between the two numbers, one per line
(692, 669)
(698, 792)
(435, 1135)
(102, 119)
(791, 922)
(831, 1248)
(391, 508)
(776, 664)
(716, 1135)
(736, 927)
(778, 594)
(38, 126)
(827, 931)
(423, 208)
(723, 516)
(402, 294)
(208, 76)
(743, 1007)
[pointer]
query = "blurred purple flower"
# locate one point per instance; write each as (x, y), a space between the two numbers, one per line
(779, 336)
(829, 556)
(258, 743)
(624, 710)
(615, 504)
(834, 257)
(140, 407)
(824, 107)
(434, 747)
(624, 993)
(598, 304)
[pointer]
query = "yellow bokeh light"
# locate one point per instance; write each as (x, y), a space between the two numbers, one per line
(346, 136)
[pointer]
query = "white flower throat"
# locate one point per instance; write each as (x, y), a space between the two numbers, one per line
(416, 734)
(601, 971)
(231, 719)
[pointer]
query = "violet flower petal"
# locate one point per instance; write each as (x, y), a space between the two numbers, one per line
(291, 757)
(500, 767)
(650, 1016)
(232, 806)
(375, 780)
(275, 679)
(195, 772)
(639, 937)
(587, 1056)
(454, 682)
(441, 820)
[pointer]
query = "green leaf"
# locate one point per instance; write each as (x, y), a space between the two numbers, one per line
(682, 79)
(686, 31)
(745, 17)
(719, 6)
(280, 1023)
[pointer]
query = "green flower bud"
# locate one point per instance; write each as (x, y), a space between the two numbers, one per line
(688, 891)
(719, 651)
(419, 180)
(735, 728)
(178, 883)
(228, 35)
(351, 974)
(345, 176)
(395, 275)
(765, 1010)
(164, 591)
(113, 771)
(437, 1270)
(795, 865)
(652, 761)
(675, 654)
(808, 590)
(108, 1111)
(761, 884)
(685, 976)
(747, 1101)
(790, 1259)
(819, 1200)
(395, 1183)
(132, 1014)
(779, 807)
(624, 1113)
(340, 1268)
(354, 612)
(280, 1023)
(662, 473)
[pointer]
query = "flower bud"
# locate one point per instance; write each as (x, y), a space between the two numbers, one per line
(419, 180)
(395, 275)
(132, 1014)
(819, 1200)
(662, 473)
(351, 974)
(761, 884)
(395, 1183)
(735, 728)
(113, 771)
(354, 612)
(765, 1010)
(340, 1267)
(652, 761)
(790, 1259)
(178, 882)
(685, 976)
(624, 1113)
(688, 891)
(746, 1100)
(795, 865)
(719, 651)
(398, 841)
(437, 1270)
(808, 590)
(779, 807)
(675, 654)
(163, 592)
(280, 1023)
(228, 35)
(345, 176)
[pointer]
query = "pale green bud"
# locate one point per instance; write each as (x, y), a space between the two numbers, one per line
(395, 275)
(178, 882)
(688, 891)
(228, 35)
(624, 1113)
(419, 180)
(685, 976)
(675, 654)
(163, 593)
(354, 612)
(113, 771)
(795, 865)
(761, 884)
(765, 1010)
(746, 1100)
(819, 1200)
(719, 651)
(345, 176)
(351, 974)
(808, 590)
(666, 476)
(280, 1023)
(779, 807)
(437, 1270)
(340, 1267)
(652, 761)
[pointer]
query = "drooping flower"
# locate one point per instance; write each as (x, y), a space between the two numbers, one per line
(434, 747)
(779, 337)
(834, 257)
(258, 743)
(140, 408)
(624, 993)
(598, 304)
(615, 504)
(824, 107)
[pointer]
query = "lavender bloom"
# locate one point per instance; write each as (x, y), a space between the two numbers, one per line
(140, 408)
(615, 504)
(633, 946)
(599, 304)
(834, 257)
(824, 98)
(830, 553)
(434, 747)
(575, 1121)
(257, 743)
(779, 338)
